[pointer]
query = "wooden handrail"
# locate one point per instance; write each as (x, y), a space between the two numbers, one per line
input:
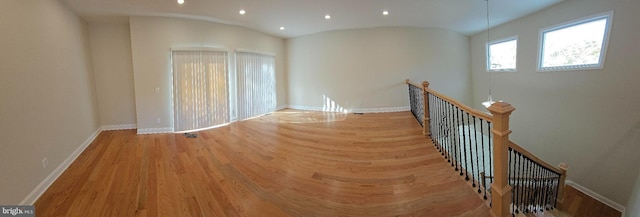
(532, 157)
(472, 111)
(414, 84)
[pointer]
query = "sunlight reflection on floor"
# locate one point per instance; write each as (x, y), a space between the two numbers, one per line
(301, 116)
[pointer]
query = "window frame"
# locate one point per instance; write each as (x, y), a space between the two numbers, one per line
(488, 54)
(608, 16)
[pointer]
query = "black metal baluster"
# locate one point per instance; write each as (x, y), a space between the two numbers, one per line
(410, 97)
(437, 123)
(432, 116)
(447, 135)
(519, 181)
(517, 178)
(458, 138)
(478, 154)
(543, 189)
(422, 113)
(454, 131)
(490, 146)
(464, 146)
(473, 173)
(545, 198)
(440, 125)
(484, 162)
(534, 189)
(534, 197)
(527, 190)
(443, 116)
(510, 168)
(530, 191)
(456, 150)
(446, 123)
(534, 192)
(449, 131)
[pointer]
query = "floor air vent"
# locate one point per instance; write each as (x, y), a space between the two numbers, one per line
(191, 135)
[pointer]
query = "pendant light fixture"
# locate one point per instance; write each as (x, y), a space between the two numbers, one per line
(489, 101)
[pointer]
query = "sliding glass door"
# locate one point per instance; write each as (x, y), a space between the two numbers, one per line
(256, 84)
(200, 89)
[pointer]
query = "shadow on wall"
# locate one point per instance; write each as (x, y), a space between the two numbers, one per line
(623, 157)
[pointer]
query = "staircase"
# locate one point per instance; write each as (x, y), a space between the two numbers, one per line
(513, 181)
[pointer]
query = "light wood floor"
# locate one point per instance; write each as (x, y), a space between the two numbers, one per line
(289, 163)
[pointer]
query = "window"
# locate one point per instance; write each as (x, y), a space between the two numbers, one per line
(575, 45)
(501, 54)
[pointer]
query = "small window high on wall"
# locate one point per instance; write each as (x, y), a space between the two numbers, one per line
(502, 54)
(576, 45)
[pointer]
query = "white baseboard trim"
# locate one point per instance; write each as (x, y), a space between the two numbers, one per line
(358, 110)
(596, 196)
(379, 110)
(119, 127)
(44, 184)
(155, 130)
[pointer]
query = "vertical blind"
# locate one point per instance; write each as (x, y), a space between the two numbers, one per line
(201, 93)
(256, 84)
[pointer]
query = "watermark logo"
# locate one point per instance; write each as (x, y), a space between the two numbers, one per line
(22, 211)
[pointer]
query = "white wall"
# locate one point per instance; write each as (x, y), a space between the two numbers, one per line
(151, 41)
(113, 69)
(366, 68)
(588, 119)
(47, 93)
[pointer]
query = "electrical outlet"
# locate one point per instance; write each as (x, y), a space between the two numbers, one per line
(157, 120)
(45, 162)
(157, 90)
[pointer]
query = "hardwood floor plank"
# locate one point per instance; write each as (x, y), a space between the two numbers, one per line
(289, 163)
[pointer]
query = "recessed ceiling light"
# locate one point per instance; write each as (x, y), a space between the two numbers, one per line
(327, 16)
(282, 28)
(385, 12)
(242, 12)
(180, 1)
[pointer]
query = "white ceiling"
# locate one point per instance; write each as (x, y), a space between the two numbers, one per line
(302, 17)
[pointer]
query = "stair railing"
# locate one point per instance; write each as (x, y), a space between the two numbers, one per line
(418, 103)
(477, 145)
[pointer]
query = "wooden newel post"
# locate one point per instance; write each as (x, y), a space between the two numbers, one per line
(500, 189)
(563, 177)
(425, 121)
